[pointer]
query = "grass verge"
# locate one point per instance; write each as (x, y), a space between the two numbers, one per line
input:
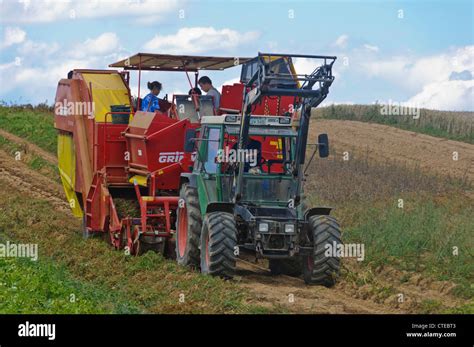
(33, 125)
(430, 236)
(432, 233)
(43, 287)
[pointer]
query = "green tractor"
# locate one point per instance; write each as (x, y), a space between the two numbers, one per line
(245, 191)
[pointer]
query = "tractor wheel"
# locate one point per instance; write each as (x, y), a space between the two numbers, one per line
(290, 267)
(218, 243)
(319, 268)
(188, 228)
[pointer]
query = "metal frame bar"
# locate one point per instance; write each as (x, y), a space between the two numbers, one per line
(259, 86)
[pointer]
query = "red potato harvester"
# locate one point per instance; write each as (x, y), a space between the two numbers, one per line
(121, 168)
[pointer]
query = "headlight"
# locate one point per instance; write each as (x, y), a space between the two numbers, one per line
(263, 227)
(289, 228)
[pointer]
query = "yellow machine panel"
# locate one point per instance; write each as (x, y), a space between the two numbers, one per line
(107, 89)
(67, 170)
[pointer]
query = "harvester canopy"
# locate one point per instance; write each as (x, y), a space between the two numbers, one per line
(168, 62)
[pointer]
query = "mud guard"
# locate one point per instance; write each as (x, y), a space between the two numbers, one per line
(322, 210)
(220, 207)
(188, 177)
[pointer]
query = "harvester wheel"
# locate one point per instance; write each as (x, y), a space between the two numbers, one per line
(127, 238)
(142, 244)
(319, 268)
(218, 244)
(188, 228)
(115, 239)
(290, 267)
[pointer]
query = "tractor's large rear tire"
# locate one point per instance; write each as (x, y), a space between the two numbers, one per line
(188, 228)
(218, 245)
(319, 268)
(289, 267)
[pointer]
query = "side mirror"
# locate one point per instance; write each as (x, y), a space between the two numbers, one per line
(189, 140)
(323, 145)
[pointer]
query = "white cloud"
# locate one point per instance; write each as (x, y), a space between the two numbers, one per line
(341, 41)
(45, 11)
(446, 95)
(12, 36)
(390, 69)
(432, 79)
(371, 48)
(38, 49)
(414, 73)
(103, 44)
(9, 65)
(199, 39)
(41, 65)
(38, 83)
(307, 66)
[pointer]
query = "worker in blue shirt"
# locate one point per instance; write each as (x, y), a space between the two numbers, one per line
(150, 102)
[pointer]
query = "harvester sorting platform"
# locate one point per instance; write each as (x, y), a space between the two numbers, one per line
(153, 181)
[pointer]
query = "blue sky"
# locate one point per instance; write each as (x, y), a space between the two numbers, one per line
(416, 52)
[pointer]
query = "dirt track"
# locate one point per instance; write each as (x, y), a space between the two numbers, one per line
(383, 142)
(277, 291)
(293, 295)
(30, 182)
(31, 147)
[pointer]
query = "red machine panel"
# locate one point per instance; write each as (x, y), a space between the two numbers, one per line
(110, 152)
(272, 150)
(231, 101)
(156, 143)
(231, 98)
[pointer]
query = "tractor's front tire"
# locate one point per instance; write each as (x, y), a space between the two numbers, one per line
(218, 245)
(188, 228)
(319, 268)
